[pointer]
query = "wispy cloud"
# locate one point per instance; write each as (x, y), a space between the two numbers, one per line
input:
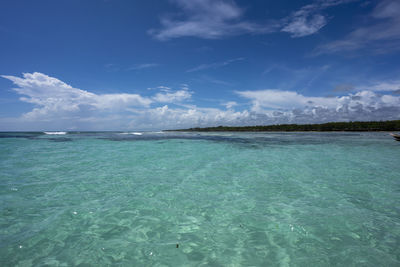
(301, 26)
(308, 19)
(144, 66)
(381, 86)
(382, 36)
(173, 97)
(215, 65)
(230, 104)
(210, 79)
(216, 19)
(208, 19)
(164, 88)
(294, 78)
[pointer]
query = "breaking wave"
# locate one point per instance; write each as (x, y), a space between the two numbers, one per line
(134, 133)
(56, 133)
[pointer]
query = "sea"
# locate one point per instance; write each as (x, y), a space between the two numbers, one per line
(199, 199)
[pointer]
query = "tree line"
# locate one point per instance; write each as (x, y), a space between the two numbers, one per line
(354, 126)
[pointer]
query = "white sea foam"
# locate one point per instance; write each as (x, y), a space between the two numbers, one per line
(57, 133)
(134, 133)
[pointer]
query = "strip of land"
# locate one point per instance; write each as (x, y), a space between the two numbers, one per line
(353, 126)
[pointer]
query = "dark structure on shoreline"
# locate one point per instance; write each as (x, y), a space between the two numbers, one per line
(355, 126)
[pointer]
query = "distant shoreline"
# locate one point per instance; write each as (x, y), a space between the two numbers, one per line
(356, 126)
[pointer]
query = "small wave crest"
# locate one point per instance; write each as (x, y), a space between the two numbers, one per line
(56, 133)
(134, 133)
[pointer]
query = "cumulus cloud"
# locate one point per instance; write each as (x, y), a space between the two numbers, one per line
(172, 97)
(165, 117)
(287, 106)
(53, 98)
(277, 99)
(59, 106)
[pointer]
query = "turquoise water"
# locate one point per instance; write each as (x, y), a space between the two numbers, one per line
(225, 199)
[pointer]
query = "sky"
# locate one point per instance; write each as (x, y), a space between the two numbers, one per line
(124, 65)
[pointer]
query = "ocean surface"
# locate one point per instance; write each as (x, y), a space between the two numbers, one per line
(199, 199)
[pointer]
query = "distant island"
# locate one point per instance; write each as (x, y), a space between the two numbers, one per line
(353, 126)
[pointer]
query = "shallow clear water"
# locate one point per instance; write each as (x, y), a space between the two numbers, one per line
(227, 199)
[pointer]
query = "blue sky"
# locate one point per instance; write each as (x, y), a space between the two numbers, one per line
(151, 65)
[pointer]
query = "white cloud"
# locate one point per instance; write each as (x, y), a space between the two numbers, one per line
(382, 36)
(285, 106)
(277, 99)
(302, 26)
(53, 98)
(381, 86)
(308, 19)
(216, 19)
(165, 117)
(174, 97)
(160, 88)
(184, 86)
(59, 106)
(208, 19)
(230, 104)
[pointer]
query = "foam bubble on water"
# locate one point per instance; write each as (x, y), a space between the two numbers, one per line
(56, 133)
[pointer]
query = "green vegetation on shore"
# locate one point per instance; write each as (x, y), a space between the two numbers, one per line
(355, 126)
